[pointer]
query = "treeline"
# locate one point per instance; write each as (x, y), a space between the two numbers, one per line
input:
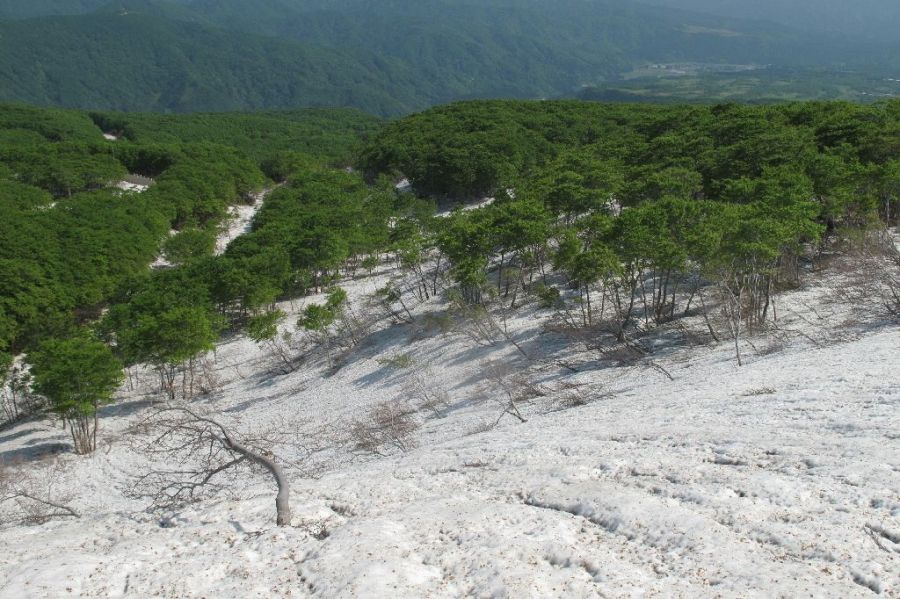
(619, 218)
(68, 237)
(644, 210)
(269, 138)
(638, 153)
(319, 224)
(74, 247)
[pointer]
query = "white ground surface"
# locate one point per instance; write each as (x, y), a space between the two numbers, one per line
(239, 220)
(777, 479)
(135, 187)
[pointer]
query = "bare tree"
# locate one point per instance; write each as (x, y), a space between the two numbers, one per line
(204, 449)
(872, 281)
(209, 380)
(32, 498)
(514, 387)
(282, 353)
(390, 300)
(477, 323)
(427, 394)
(389, 424)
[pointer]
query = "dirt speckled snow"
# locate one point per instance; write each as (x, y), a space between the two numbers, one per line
(777, 479)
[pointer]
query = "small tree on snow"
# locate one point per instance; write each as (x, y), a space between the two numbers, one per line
(29, 496)
(318, 318)
(263, 329)
(77, 376)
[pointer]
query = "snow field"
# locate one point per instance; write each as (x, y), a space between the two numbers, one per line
(780, 478)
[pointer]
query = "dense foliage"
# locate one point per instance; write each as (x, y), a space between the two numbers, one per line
(146, 62)
(69, 239)
(266, 137)
(575, 156)
(643, 208)
(77, 376)
(386, 58)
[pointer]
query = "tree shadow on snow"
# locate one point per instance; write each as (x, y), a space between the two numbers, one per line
(17, 435)
(34, 453)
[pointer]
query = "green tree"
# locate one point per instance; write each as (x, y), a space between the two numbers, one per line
(76, 376)
(189, 245)
(173, 339)
(318, 318)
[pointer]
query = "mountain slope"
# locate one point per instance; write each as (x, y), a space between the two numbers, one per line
(572, 40)
(777, 478)
(142, 62)
(875, 19)
(18, 9)
(386, 57)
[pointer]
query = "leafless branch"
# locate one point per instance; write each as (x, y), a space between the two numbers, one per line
(206, 450)
(30, 497)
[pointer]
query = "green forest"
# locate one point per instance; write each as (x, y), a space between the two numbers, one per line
(393, 58)
(618, 216)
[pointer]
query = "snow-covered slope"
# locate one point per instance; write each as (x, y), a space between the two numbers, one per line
(778, 478)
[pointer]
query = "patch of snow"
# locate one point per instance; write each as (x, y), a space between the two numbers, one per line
(239, 220)
(161, 262)
(445, 212)
(780, 478)
(131, 187)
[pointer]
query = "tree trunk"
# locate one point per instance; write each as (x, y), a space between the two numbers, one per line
(282, 499)
(709, 326)
(94, 432)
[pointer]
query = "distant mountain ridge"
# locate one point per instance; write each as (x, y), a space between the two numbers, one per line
(384, 56)
(873, 19)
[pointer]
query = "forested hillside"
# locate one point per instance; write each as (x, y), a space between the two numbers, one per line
(331, 133)
(144, 62)
(613, 197)
(70, 238)
(36, 8)
(387, 58)
(438, 324)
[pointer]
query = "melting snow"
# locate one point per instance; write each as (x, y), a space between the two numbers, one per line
(781, 478)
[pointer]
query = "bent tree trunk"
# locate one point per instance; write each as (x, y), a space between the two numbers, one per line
(282, 499)
(223, 437)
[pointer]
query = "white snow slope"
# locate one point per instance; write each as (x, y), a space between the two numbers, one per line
(780, 478)
(239, 220)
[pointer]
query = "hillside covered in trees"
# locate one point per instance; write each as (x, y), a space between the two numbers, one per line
(496, 347)
(71, 238)
(638, 208)
(387, 58)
